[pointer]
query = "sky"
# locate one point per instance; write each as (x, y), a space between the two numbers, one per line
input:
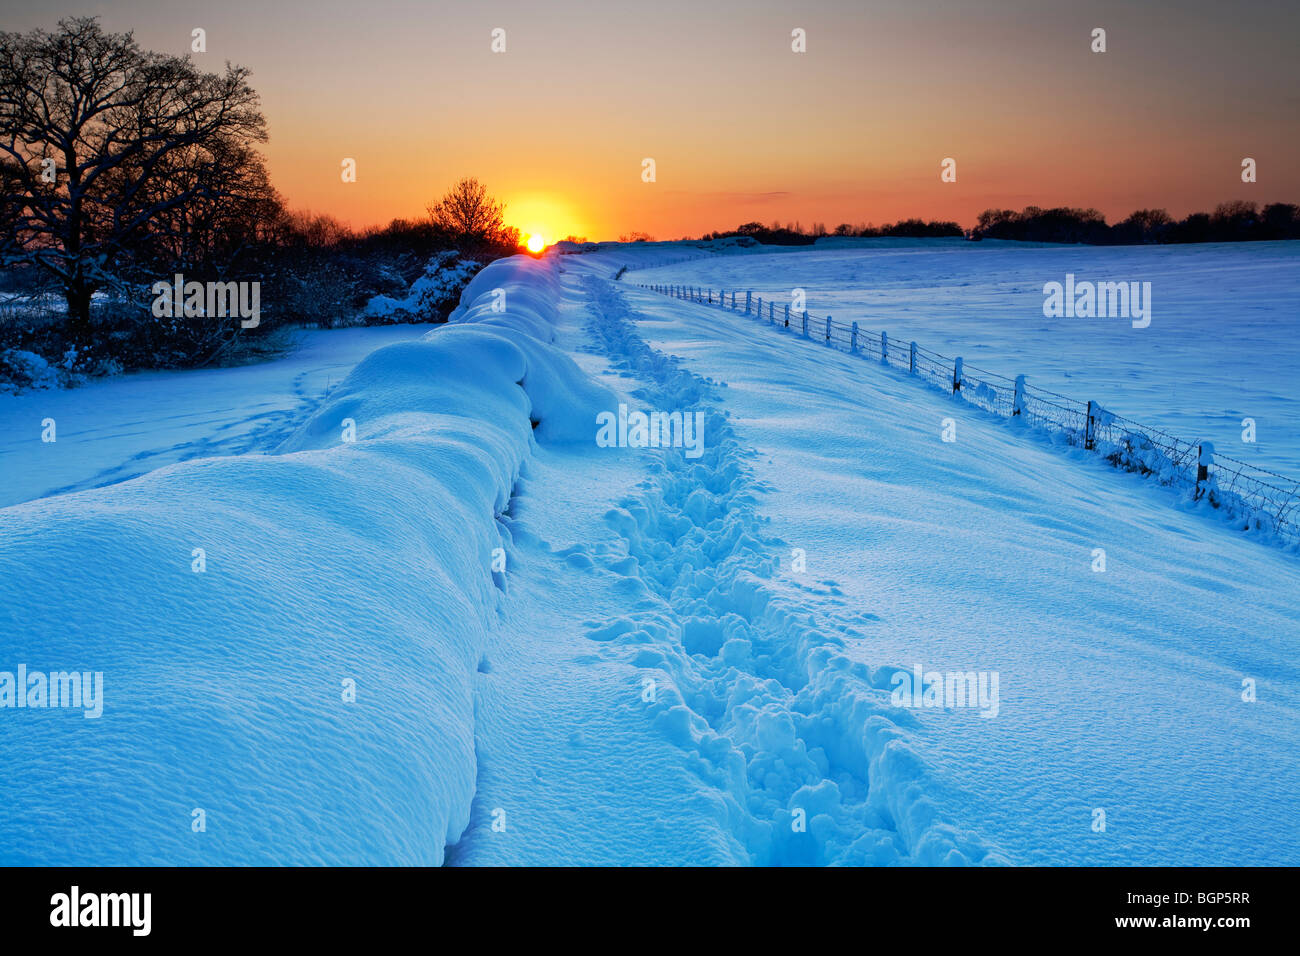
(741, 127)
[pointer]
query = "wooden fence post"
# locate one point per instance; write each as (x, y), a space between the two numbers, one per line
(787, 315)
(1204, 459)
(911, 365)
(1018, 404)
(771, 313)
(805, 323)
(884, 348)
(956, 375)
(828, 328)
(1087, 427)
(759, 311)
(853, 338)
(747, 295)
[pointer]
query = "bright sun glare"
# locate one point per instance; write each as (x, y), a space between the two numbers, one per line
(536, 243)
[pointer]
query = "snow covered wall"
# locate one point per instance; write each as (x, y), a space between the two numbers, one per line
(288, 644)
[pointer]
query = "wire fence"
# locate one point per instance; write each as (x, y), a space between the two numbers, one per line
(1257, 498)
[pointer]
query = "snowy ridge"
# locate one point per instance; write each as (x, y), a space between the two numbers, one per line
(778, 718)
(231, 604)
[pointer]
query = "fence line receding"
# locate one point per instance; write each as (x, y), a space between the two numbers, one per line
(1260, 498)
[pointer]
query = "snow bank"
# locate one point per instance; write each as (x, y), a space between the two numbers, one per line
(498, 297)
(288, 644)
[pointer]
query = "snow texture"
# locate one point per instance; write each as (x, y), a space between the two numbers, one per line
(334, 561)
(686, 660)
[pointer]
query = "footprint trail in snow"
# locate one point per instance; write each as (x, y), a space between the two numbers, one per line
(813, 762)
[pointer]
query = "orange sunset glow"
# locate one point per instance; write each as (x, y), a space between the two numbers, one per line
(852, 130)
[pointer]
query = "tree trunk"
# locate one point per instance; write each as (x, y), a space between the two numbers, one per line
(77, 295)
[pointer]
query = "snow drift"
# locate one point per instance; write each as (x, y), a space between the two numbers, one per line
(288, 643)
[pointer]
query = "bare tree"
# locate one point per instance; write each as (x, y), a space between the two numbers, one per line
(469, 216)
(108, 148)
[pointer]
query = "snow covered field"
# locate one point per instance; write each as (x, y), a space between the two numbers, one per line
(477, 635)
(1120, 690)
(119, 428)
(1220, 346)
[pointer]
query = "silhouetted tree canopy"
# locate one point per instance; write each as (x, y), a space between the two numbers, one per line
(119, 159)
(473, 220)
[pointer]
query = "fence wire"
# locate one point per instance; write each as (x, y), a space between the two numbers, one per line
(1259, 498)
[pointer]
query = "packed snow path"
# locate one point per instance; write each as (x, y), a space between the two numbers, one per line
(786, 726)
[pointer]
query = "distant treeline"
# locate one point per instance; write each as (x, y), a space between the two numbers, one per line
(1230, 222)
(794, 234)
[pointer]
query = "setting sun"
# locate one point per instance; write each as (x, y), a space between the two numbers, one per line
(536, 242)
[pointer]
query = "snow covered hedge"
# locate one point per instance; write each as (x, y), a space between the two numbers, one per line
(430, 296)
(21, 370)
(288, 642)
